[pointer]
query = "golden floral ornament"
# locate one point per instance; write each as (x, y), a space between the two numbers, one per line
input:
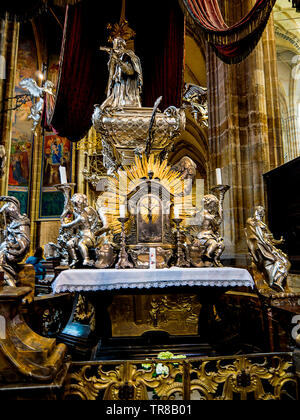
(121, 30)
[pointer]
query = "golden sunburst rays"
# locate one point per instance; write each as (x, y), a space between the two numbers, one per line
(124, 183)
(161, 171)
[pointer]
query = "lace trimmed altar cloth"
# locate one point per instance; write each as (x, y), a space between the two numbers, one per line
(113, 279)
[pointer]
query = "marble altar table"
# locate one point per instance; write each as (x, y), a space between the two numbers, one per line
(109, 280)
(98, 287)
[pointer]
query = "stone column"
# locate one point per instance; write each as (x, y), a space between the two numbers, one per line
(244, 130)
(9, 40)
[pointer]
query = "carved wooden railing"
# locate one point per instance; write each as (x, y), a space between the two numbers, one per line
(255, 377)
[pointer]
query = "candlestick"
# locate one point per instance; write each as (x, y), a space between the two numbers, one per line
(63, 175)
(123, 261)
(181, 260)
(219, 176)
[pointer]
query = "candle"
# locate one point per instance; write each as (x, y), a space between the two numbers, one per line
(122, 211)
(176, 212)
(219, 176)
(63, 175)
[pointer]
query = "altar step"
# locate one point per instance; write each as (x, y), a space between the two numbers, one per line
(150, 345)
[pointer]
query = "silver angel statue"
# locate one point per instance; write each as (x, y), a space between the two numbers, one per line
(195, 98)
(38, 93)
(60, 249)
(16, 238)
(208, 244)
(268, 259)
(125, 77)
(84, 227)
(209, 238)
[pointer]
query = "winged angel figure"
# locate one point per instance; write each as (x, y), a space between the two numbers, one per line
(38, 93)
(195, 98)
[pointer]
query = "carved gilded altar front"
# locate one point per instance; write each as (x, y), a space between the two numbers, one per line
(135, 315)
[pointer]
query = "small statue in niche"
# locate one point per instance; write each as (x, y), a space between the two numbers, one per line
(125, 77)
(268, 259)
(85, 226)
(16, 242)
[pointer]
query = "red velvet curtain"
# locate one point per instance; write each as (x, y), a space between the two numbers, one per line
(233, 43)
(159, 44)
(83, 71)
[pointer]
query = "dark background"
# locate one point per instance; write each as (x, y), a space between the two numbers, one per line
(283, 199)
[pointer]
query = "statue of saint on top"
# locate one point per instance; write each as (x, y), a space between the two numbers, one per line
(125, 77)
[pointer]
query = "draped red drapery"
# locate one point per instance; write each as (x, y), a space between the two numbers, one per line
(83, 73)
(232, 43)
(159, 44)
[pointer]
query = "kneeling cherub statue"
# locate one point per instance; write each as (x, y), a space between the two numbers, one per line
(208, 245)
(85, 225)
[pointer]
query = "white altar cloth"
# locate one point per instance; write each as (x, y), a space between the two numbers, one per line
(112, 279)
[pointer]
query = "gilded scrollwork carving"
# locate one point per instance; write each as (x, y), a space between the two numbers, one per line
(261, 377)
(85, 312)
(243, 376)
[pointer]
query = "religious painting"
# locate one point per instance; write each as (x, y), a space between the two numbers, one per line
(133, 316)
(22, 135)
(149, 220)
(57, 152)
(19, 168)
